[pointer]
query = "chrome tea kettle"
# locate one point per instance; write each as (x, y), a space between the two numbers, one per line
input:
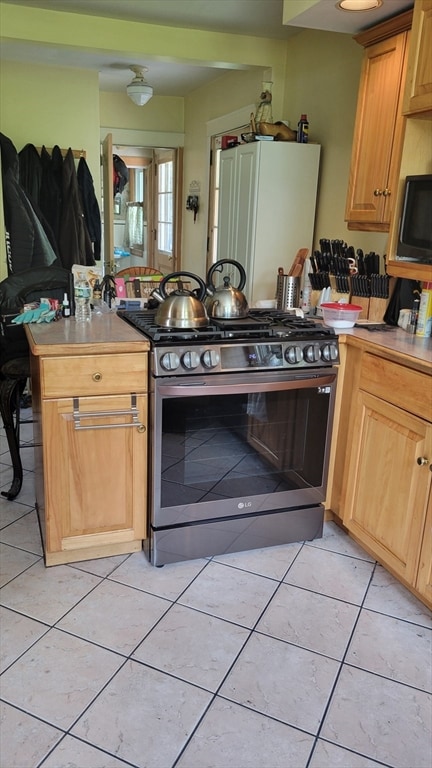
(181, 308)
(226, 302)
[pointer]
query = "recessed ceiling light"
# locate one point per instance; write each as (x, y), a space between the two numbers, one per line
(358, 5)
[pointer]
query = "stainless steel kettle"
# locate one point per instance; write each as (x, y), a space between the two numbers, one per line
(226, 302)
(181, 308)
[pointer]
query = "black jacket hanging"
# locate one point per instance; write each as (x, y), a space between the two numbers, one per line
(50, 192)
(90, 206)
(27, 244)
(74, 240)
(30, 172)
(120, 174)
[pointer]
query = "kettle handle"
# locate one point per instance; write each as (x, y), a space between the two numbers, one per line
(201, 283)
(217, 268)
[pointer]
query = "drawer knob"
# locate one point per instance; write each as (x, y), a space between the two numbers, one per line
(141, 428)
(377, 192)
(387, 192)
(97, 377)
(422, 461)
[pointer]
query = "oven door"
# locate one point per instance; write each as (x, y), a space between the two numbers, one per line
(239, 444)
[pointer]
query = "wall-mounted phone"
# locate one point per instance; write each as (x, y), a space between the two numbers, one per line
(192, 204)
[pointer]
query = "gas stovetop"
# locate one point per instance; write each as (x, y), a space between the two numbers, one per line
(264, 340)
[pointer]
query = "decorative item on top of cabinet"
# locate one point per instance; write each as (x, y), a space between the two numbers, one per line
(378, 133)
(418, 91)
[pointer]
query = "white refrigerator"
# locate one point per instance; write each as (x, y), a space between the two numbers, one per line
(267, 200)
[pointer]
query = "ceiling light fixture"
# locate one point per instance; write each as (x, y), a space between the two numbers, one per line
(358, 5)
(138, 89)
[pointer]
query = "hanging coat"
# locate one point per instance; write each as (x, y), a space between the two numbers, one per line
(90, 206)
(120, 174)
(74, 240)
(50, 192)
(27, 244)
(30, 172)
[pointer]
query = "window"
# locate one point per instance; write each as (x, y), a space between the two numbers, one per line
(165, 206)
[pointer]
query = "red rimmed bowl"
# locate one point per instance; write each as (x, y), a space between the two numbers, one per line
(337, 315)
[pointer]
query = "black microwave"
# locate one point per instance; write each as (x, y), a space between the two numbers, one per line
(415, 226)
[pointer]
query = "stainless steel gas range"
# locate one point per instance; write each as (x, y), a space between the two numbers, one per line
(241, 415)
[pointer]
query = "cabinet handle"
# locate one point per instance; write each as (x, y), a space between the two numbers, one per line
(387, 192)
(132, 411)
(422, 461)
(378, 192)
(97, 377)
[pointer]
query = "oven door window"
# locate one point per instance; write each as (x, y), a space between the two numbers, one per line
(232, 446)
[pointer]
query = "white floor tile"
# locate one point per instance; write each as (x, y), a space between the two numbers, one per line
(283, 681)
(24, 740)
(13, 562)
(230, 735)
(328, 755)
(58, 677)
(143, 716)
(272, 562)
(24, 533)
(115, 616)
(389, 596)
(393, 648)
(381, 719)
(17, 634)
(312, 621)
(46, 594)
(331, 574)
(73, 753)
(168, 581)
(192, 645)
(229, 593)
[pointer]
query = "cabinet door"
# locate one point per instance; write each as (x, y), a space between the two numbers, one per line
(418, 92)
(378, 136)
(424, 578)
(95, 472)
(387, 490)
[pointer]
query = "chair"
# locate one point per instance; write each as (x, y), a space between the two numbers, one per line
(15, 291)
(137, 271)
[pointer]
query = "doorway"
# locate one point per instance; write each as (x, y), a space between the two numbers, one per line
(142, 221)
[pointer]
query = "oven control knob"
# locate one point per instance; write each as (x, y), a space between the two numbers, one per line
(210, 358)
(293, 355)
(190, 360)
(312, 353)
(329, 353)
(170, 361)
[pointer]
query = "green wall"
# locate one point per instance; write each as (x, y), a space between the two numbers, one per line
(314, 72)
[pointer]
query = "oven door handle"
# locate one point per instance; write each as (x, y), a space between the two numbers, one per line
(205, 386)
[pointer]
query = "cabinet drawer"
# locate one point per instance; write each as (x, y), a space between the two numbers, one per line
(96, 375)
(396, 384)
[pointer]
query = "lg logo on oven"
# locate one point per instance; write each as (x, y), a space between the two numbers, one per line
(244, 504)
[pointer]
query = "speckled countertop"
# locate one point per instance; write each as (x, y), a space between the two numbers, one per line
(394, 343)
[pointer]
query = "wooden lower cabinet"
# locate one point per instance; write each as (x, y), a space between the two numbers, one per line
(95, 475)
(385, 501)
(424, 577)
(387, 490)
(91, 464)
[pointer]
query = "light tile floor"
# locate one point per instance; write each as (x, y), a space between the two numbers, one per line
(303, 656)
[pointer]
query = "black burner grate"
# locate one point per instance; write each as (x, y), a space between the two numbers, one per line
(260, 324)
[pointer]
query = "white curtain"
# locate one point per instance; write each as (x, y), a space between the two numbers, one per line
(134, 227)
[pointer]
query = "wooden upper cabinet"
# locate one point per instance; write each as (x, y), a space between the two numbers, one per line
(418, 90)
(379, 126)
